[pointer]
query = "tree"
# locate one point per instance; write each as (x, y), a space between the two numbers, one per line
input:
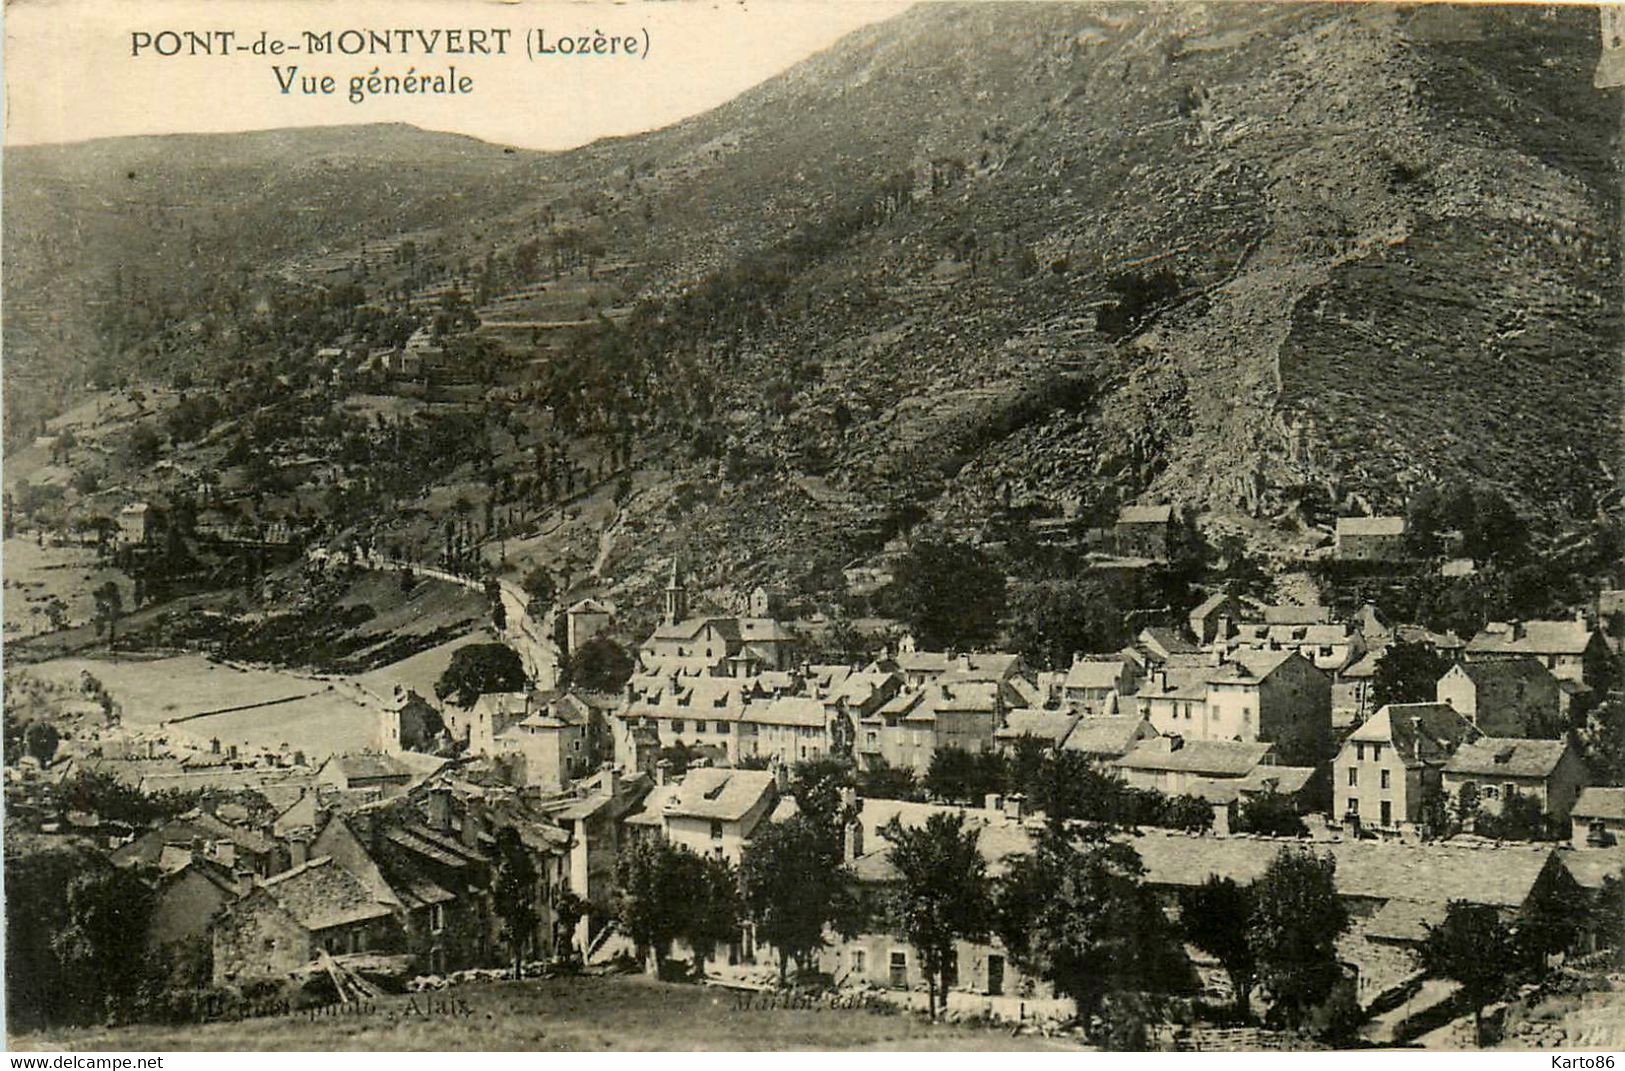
(795, 888)
(964, 776)
(568, 911)
(109, 608)
(600, 665)
(1602, 742)
(644, 905)
(1051, 619)
(950, 594)
(943, 895)
(1474, 947)
(539, 585)
(40, 739)
(478, 668)
(1215, 916)
(887, 782)
(143, 445)
(1193, 814)
(709, 891)
(1272, 814)
(1407, 673)
(1077, 913)
(513, 894)
(1293, 932)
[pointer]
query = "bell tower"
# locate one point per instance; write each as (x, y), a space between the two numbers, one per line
(676, 596)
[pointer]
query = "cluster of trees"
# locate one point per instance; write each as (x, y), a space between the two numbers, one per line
(664, 892)
(76, 943)
(1520, 817)
(477, 668)
(1490, 529)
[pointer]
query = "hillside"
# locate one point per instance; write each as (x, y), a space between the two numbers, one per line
(1350, 248)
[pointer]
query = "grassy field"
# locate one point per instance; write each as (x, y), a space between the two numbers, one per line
(571, 1014)
(34, 574)
(318, 717)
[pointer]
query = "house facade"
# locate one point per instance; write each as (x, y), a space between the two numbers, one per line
(1390, 762)
(1499, 768)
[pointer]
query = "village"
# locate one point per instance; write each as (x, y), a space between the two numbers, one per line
(503, 819)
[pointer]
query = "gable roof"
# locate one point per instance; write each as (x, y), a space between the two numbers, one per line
(1050, 726)
(1507, 757)
(1223, 758)
(1599, 802)
(1371, 526)
(320, 895)
(1109, 735)
(1496, 671)
(1145, 515)
(1246, 664)
(787, 710)
(1423, 734)
(1095, 673)
(727, 795)
(1568, 637)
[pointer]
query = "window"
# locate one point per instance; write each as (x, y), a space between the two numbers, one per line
(950, 971)
(1387, 813)
(437, 918)
(1354, 805)
(720, 727)
(872, 737)
(858, 961)
(716, 830)
(899, 970)
(1491, 792)
(1376, 752)
(1354, 776)
(1359, 752)
(1385, 779)
(678, 725)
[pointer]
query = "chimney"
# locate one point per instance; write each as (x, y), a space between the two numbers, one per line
(993, 802)
(1223, 632)
(1216, 655)
(440, 809)
(298, 851)
(473, 824)
(298, 758)
(225, 853)
(1077, 656)
(662, 771)
(1175, 742)
(1015, 806)
(231, 752)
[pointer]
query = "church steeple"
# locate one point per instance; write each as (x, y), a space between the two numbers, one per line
(676, 595)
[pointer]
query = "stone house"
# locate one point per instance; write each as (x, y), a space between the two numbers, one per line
(407, 722)
(1090, 682)
(1501, 767)
(712, 812)
(1144, 532)
(1370, 539)
(1597, 818)
(1390, 762)
(1570, 649)
(283, 922)
(1103, 739)
(584, 620)
(1172, 764)
(1515, 697)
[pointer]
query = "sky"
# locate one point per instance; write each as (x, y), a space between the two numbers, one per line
(81, 69)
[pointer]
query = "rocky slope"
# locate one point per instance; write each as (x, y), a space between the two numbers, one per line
(1377, 245)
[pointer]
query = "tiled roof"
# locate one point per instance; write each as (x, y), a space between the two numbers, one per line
(1422, 733)
(1104, 735)
(1282, 779)
(1596, 802)
(1222, 758)
(1507, 756)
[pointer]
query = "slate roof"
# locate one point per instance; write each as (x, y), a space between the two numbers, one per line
(1423, 734)
(1094, 673)
(1498, 670)
(1051, 726)
(1104, 735)
(321, 895)
(1568, 637)
(1282, 779)
(1600, 802)
(1249, 664)
(727, 795)
(1591, 866)
(1501, 756)
(787, 710)
(1223, 758)
(1297, 615)
(1145, 515)
(1370, 526)
(1168, 639)
(1404, 920)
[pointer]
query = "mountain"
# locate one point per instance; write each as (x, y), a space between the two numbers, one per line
(1064, 255)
